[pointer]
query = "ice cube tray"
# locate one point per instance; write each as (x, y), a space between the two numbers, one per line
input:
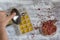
(25, 25)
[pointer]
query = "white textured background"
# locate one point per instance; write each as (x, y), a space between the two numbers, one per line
(31, 6)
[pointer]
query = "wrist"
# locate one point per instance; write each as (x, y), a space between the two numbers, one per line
(2, 27)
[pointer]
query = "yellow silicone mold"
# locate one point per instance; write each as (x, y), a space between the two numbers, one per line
(30, 28)
(22, 18)
(26, 30)
(28, 20)
(26, 16)
(25, 25)
(29, 25)
(21, 27)
(22, 31)
(24, 22)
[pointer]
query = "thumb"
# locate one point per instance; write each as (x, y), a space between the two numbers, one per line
(11, 16)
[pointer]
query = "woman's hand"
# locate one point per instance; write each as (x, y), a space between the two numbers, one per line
(3, 22)
(5, 19)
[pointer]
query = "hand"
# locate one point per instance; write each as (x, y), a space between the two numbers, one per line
(5, 19)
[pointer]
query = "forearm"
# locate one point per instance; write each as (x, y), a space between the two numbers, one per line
(3, 34)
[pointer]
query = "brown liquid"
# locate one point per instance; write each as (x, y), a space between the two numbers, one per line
(48, 27)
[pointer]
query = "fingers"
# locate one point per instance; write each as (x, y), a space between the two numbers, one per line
(11, 16)
(2, 12)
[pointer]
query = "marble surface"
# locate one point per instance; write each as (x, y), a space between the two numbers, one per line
(32, 9)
